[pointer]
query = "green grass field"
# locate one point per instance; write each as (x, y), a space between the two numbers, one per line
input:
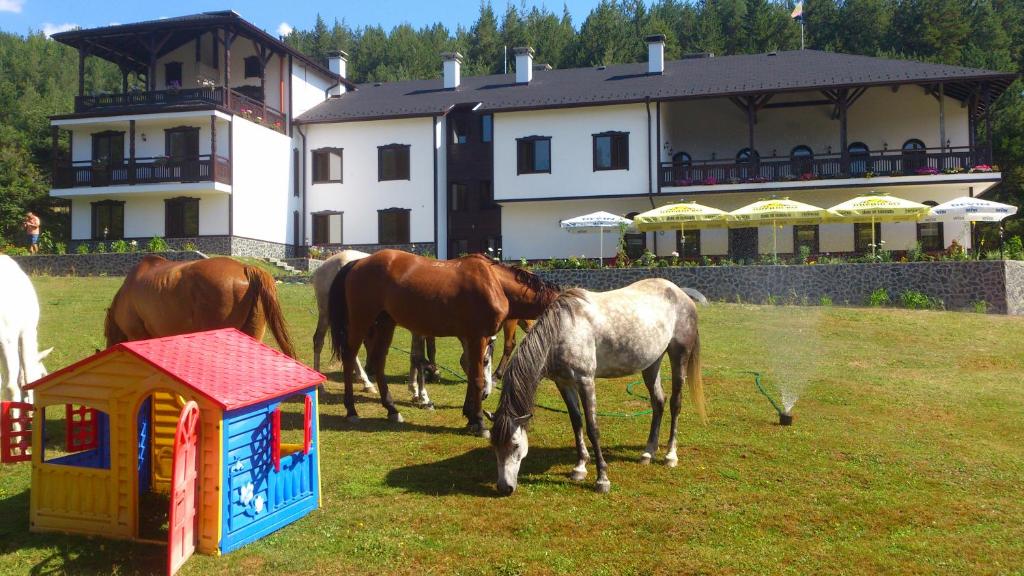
(906, 457)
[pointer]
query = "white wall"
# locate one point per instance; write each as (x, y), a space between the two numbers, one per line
(440, 129)
(144, 214)
(572, 158)
(880, 117)
(361, 195)
(309, 87)
(260, 184)
(153, 130)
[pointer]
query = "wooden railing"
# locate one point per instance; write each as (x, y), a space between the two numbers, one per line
(143, 171)
(823, 166)
(248, 108)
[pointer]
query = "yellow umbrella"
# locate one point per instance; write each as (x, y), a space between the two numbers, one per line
(776, 212)
(679, 216)
(878, 208)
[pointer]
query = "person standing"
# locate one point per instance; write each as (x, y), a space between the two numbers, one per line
(32, 225)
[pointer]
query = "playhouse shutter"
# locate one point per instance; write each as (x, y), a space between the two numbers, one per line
(275, 438)
(80, 434)
(307, 426)
(16, 443)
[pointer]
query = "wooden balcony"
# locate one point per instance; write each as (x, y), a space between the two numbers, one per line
(930, 161)
(143, 171)
(231, 100)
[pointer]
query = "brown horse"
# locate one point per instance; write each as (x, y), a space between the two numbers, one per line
(469, 297)
(509, 328)
(164, 298)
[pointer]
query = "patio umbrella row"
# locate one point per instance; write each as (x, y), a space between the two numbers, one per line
(869, 208)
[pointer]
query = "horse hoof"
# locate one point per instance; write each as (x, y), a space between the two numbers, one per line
(479, 430)
(603, 486)
(671, 462)
(578, 475)
(352, 418)
(396, 417)
(427, 406)
(645, 458)
(370, 388)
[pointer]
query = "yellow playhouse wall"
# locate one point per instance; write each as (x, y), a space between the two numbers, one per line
(104, 502)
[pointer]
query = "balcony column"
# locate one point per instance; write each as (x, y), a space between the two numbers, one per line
(131, 151)
(213, 148)
(229, 38)
(55, 141)
(988, 123)
(124, 80)
(942, 118)
(844, 152)
(81, 71)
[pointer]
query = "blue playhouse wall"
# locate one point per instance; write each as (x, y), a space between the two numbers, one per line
(98, 457)
(260, 500)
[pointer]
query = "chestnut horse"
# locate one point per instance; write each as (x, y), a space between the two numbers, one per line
(164, 298)
(469, 297)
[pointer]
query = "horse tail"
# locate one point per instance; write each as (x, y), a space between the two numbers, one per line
(695, 381)
(337, 311)
(695, 295)
(261, 285)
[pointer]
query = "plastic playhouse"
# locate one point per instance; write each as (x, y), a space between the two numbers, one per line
(183, 434)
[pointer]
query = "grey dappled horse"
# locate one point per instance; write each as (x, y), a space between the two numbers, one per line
(586, 335)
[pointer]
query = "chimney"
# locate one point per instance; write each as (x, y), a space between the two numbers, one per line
(452, 70)
(655, 54)
(337, 61)
(524, 64)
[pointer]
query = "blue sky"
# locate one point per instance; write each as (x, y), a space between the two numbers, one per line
(20, 16)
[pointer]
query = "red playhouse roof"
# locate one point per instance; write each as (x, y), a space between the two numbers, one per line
(228, 367)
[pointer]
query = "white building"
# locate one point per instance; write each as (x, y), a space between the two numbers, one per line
(454, 164)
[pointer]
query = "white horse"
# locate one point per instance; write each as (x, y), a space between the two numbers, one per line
(586, 335)
(21, 362)
(421, 363)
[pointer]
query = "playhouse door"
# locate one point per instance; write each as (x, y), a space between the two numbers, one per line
(181, 529)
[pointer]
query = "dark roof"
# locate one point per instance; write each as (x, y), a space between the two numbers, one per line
(125, 42)
(624, 83)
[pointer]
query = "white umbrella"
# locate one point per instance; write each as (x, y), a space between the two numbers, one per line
(967, 209)
(596, 221)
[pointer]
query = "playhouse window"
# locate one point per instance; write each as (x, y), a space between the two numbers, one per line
(291, 428)
(76, 435)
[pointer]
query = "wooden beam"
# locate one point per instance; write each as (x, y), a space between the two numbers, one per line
(55, 142)
(798, 104)
(229, 38)
(843, 103)
(213, 147)
(131, 151)
(81, 71)
(942, 117)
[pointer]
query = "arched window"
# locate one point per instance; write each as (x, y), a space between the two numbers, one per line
(636, 243)
(747, 163)
(931, 234)
(681, 162)
(801, 160)
(914, 156)
(681, 158)
(746, 155)
(860, 161)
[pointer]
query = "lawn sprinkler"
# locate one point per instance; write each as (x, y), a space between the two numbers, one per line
(785, 414)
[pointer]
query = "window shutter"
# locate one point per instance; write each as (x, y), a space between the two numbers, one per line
(307, 426)
(521, 156)
(275, 438)
(80, 433)
(16, 444)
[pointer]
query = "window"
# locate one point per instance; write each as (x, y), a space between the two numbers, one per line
(107, 220)
(487, 196)
(460, 131)
(611, 151)
(486, 128)
(681, 159)
(860, 161)
(182, 143)
(690, 248)
(459, 198)
(681, 162)
(181, 217)
(805, 236)
(327, 228)
(534, 154)
(108, 148)
(801, 160)
(931, 234)
(914, 156)
(393, 226)
(291, 429)
(862, 236)
(393, 162)
(172, 74)
(252, 67)
(747, 160)
(75, 435)
(327, 165)
(459, 247)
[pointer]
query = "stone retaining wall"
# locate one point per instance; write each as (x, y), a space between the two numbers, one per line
(227, 245)
(958, 284)
(111, 264)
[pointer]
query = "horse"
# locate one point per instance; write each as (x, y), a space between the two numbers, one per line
(468, 297)
(422, 367)
(509, 330)
(586, 335)
(164, 298)
(21, 362)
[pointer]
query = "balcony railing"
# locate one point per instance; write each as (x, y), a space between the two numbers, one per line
(143, 171)
(823, 166)
(249, 108)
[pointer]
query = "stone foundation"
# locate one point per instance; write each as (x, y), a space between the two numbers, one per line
(221, 245)
(959, 285)
(93, 264)
(421, 248)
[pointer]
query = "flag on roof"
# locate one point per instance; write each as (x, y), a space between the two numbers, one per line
(798, 11)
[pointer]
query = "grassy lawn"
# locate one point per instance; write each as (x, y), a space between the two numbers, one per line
(906, 456)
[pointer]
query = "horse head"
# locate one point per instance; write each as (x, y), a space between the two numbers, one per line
(511, 444)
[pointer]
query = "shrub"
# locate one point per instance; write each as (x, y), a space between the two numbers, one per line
(771, 300)
(12, 250)
(189, 246)
(82, 249)
(916, 253)
(1014, 248)
(803, 255)
(980, 307)
(955, 252)
(915, 300)
(646, 260)
(825, 301)
(157, 244)
(880, 297)
(119, 246)
(100, 248)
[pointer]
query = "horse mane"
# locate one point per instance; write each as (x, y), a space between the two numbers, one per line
(530, 362)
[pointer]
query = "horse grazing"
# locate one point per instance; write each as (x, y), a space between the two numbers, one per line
(468, 298)
(164, 298)
(21, 362)
(585, 335)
